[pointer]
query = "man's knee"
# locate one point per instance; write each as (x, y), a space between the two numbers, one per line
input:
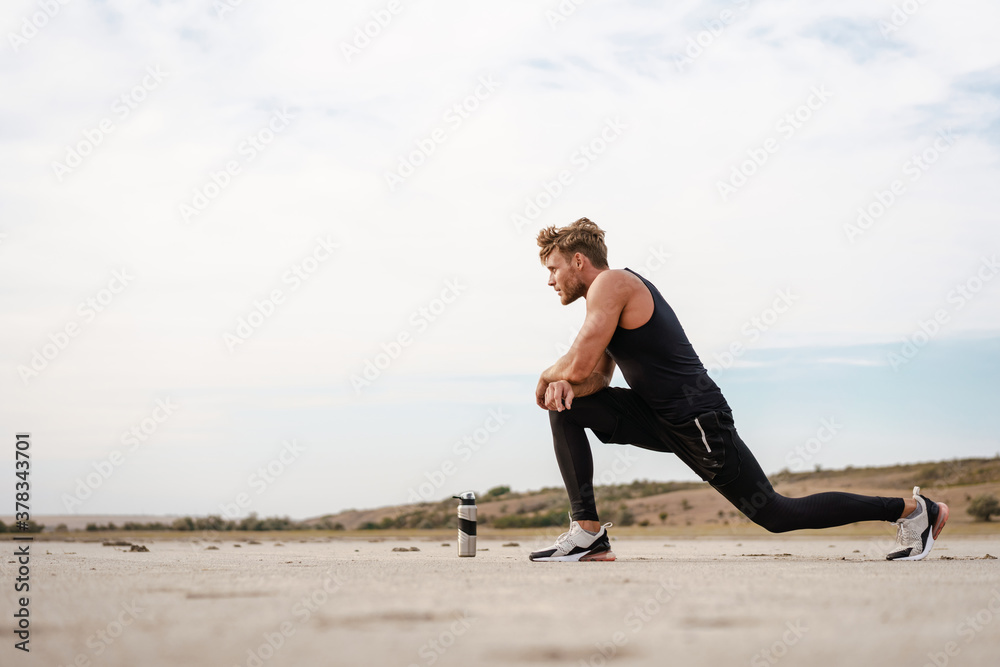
(772, 524)
(773, 516)
(763, 507)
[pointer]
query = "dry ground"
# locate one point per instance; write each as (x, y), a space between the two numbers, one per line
(727, 600)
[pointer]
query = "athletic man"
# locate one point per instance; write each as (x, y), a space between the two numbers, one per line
(672, 406)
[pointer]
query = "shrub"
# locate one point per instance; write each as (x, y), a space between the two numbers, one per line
(983, 506)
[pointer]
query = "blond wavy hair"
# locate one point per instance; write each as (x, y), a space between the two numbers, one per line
(582, 236)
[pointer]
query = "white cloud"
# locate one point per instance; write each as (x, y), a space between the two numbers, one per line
(654, 186)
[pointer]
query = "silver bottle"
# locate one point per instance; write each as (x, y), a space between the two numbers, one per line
(466, 523)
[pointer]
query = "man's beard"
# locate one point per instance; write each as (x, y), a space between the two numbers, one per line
(572, 290)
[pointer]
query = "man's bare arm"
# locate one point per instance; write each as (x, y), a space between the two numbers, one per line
(559, 395)
(598, 380)
(605, 302)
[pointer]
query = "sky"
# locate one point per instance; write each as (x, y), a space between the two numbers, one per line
(280, 257)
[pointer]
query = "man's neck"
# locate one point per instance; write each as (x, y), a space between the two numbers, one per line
(590, 277)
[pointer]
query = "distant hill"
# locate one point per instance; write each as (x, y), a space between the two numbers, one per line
(684, 507)
(683, 504)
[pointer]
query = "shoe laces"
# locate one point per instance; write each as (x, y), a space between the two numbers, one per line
(565, 536)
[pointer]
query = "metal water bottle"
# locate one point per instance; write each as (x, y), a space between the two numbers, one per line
(466, 523)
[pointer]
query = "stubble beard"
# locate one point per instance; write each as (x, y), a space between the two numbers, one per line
(573, 290)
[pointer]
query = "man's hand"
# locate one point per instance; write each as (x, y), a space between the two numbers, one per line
(559, 396)
(540, 390)
(598, 380)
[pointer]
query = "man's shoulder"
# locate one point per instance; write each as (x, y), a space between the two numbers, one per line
(616, 286)
(619, 283)
(614, 276)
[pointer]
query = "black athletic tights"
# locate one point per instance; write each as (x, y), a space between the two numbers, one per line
(617, 415)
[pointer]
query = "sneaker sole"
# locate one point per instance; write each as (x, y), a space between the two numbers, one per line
(920, 556)
(577, 558)
(938, 527)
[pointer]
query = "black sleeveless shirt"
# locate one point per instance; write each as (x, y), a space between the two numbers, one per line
(661, 366)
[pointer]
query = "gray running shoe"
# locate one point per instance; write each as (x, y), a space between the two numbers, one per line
(915, 534)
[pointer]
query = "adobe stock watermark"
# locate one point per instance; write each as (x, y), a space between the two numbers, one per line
(625, 458)
(135, 436)
(752, 330)
(634, 621)
(773, 654)
(100, 641)
(33, 24)
(367, 32)
(58, 341)
(883, 200)
(884, 543)
(258, 481)
(261, 479)
(453, 118)
(246, 152)
(563, 348)
(463, 450)
(419, 321)
(799, 458)
(900, 16)
(264, 308)
(435, 647)
(713, 28)
(786, 127)
(561, 13)
(580, 161)
(121, 108)
(967, 629)
(656, 259)
(223, 7)
(957, 298)
(303, 610)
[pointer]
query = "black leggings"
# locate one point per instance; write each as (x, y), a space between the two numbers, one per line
(710, 446)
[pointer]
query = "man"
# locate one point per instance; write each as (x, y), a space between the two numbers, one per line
(672, 406)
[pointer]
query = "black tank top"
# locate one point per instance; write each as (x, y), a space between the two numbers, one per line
(661, 366)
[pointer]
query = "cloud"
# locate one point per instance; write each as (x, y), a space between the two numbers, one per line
(687, 127)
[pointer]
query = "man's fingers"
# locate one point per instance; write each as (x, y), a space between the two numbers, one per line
(550, 397)
(560, 397)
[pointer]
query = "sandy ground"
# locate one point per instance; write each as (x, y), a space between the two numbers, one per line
(728, 601)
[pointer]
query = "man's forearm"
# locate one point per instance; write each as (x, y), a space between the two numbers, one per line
(557, 371)
(592, 385)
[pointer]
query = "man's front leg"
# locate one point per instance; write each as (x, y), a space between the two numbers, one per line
(576, 464)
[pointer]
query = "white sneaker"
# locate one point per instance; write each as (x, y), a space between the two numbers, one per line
(578, 545)
(916, 534)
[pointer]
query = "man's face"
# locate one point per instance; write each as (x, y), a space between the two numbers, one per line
(564, 277)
